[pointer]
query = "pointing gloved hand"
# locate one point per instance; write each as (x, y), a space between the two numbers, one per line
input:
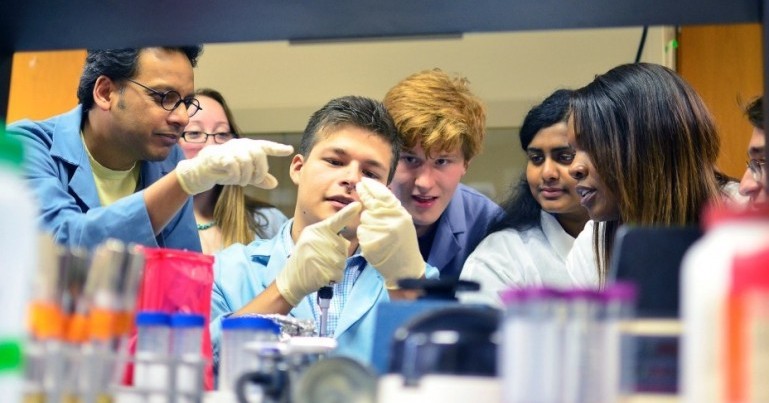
(236, 162)
(387, 237)
(318, 257)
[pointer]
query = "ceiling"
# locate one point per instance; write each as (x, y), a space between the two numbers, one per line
(45, 24)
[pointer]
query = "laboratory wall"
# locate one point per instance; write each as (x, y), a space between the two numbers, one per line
(273, 87)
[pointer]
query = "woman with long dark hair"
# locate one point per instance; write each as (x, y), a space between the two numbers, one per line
(646, 155)
(530, 244)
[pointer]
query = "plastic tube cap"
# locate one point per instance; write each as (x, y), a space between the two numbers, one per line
(152, 318)
(187, 320)
(621, 291)
(11, 357)
(11, 150)
(250, 323)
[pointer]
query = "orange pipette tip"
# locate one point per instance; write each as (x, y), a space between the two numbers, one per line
(101, 324)
(46, 320)
(77, 329)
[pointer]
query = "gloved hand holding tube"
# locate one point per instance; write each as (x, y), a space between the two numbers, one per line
(318, 257)
(387, 237)
(236, 162)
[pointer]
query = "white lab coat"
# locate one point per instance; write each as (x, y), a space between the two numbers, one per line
(581, 262)
(531, 258)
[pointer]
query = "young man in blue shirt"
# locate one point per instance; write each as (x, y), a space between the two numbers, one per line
(348, 230)
(443, 126)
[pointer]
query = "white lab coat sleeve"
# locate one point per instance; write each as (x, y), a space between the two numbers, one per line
(581, 261)
(495, 265)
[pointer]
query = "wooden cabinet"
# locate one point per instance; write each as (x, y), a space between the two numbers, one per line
(724, 63)
(44, 84)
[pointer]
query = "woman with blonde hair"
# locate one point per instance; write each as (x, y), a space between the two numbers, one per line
(225, 215)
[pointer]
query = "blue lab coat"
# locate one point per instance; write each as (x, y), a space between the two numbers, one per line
(241, 272)
(58, 171)
(460, 229)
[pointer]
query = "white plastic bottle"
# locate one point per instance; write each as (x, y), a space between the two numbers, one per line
(187, 355)
(235, 361)
(153, 347)
(18, 263)
(705, 281)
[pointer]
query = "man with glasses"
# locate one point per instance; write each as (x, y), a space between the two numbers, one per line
(108, 168)
(753, 182)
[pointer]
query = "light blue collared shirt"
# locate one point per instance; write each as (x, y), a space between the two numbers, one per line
(241, 272)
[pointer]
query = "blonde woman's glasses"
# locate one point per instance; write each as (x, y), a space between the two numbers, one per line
(195, 136)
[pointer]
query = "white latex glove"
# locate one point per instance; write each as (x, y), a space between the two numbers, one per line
(318, 257)
(236, 162)
(387, 237)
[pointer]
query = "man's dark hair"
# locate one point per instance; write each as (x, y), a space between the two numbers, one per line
(355, 111)
(117, 64)
(755, 112)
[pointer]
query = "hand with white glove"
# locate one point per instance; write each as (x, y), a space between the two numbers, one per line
(387, 237)
(319, 256)
(236, 162)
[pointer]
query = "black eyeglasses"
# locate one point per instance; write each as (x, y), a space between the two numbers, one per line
(756, 168)
(196, 136)
(170, 100)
